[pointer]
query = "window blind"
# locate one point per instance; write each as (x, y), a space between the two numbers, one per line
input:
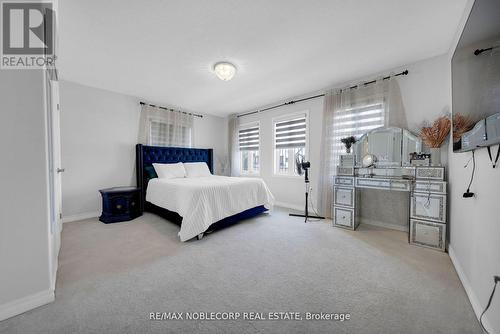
(356, 122)
(290, 133)
(249, 139)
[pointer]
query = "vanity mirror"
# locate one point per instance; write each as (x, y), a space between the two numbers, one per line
(391, 147)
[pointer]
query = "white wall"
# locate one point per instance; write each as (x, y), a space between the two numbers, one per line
(289, 190)
(425, 97)
(24, 217)
(475, 223)
(99, 131)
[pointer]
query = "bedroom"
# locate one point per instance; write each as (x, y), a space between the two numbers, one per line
(130, 73)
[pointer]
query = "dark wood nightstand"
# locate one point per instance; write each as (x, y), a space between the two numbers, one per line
(120, 204)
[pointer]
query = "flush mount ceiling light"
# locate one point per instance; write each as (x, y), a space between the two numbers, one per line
(224, 70)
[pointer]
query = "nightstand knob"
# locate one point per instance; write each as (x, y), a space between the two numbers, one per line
(133, 203)
(118, 206)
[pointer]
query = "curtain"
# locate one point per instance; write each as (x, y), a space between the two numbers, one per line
(353, 112)
(233, 140)
(160, 127)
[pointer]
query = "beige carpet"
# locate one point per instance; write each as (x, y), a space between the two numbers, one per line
(112, 276)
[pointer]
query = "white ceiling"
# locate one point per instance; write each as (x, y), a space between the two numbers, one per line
(163, 51)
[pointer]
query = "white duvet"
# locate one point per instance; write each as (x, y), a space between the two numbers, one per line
(202, 201)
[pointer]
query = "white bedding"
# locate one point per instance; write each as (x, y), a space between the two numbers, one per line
(203, 201)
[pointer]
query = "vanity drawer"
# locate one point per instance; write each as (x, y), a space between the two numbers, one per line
(343, 196)
(428, 206)
(430, 173)
(386, 183)
(428, 234)
(343, 181)
(343, 217)
(430, 186)
(373, 183)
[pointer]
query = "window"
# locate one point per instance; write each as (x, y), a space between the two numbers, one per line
(290, 139)
(164, 134)
(249, 140)
(355, 121)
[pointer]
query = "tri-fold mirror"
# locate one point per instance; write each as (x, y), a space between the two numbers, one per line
(391, 146)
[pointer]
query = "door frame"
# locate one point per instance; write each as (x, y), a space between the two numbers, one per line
(54, 228)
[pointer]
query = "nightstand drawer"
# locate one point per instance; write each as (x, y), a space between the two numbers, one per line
(118, 204)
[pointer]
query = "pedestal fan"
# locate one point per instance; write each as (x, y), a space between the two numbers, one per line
(303, 168)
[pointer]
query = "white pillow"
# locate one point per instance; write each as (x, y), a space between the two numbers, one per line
(170, 171)
(196, 169)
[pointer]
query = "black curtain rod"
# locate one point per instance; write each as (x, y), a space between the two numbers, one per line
(169, 109)
(405, 72)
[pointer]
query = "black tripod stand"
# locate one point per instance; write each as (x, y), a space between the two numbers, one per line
(305, 166)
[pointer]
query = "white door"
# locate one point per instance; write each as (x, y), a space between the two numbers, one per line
(56, 170)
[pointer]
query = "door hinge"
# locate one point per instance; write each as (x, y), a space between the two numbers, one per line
(58, 106)
(60, 215)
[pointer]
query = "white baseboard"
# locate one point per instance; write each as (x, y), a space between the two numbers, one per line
(289, 206)
(384, 224)
(476, 305)
(80, 216)
(27, 303)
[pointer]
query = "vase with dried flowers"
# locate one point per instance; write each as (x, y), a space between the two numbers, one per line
(434, 136)
(348, 141)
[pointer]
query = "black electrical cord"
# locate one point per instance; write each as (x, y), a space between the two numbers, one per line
(488, 305)
(473, 170)
(468, 194)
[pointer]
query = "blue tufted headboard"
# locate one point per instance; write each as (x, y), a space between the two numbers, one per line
(147, 155)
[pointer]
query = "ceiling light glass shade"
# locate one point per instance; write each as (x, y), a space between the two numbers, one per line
(225, 71)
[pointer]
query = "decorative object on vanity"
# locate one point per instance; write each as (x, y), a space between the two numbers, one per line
(120, 204)
(346, 164)
(369, 160)
(434, 137)
(302, 168)
(420, 159)
(348, 142)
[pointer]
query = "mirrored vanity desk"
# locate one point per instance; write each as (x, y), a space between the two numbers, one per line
(393, 171)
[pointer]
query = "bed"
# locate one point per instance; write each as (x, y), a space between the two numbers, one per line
(197, 205)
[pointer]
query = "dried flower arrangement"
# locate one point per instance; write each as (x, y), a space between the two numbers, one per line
(348, 141)
(461, 124)
(434, 135)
